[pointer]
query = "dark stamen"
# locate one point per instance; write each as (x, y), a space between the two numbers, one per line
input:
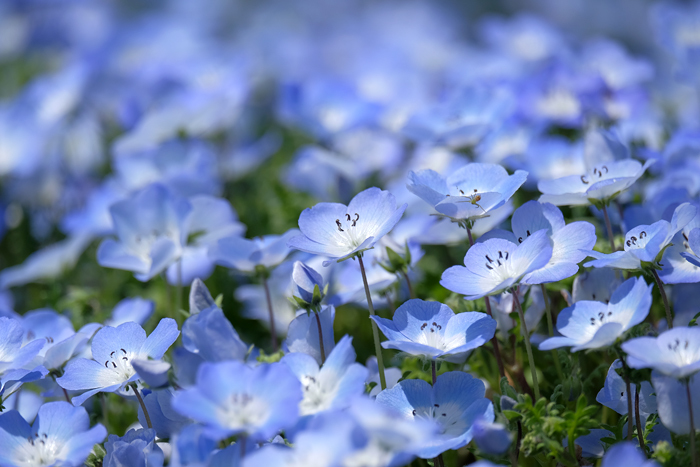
(337, 222)
(583, 179)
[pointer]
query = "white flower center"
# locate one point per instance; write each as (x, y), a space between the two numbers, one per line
(317, 396)
(603, 318)
(350, 235)
(637, 241)
(38, 451)
(448, 417)
(682, 354)
(599, 173)
(120, 363)
(141, 244)
(432, 336)
(241, 411)
(500, 264)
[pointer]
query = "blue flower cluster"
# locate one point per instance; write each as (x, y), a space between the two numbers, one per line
(305, 170)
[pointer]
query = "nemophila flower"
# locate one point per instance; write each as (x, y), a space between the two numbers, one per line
(60, 435)
(567, 240)
(502, 306)
(151, 229)
(136, 447)
(455, 402)
(592, 325)
(333, 384)
(595, 285)
(469, 193)
(392, 375)
(307, 280)
(209, 220)
(432, 330)
(675, 352)
(165, 420)
(626, 454)
(303, 337)
(340, 232)
(113, 352)
(232, 398)
(591, 445)
(672, 401)
(492, 438)
(200, 298)
(62, 342)
(193, 447)
(250, 256)
(645, 244)
(693, 242)
(17, 360)
(211, 336)
(497, 264)
(134, 309)
(614, 393)
(608, 173)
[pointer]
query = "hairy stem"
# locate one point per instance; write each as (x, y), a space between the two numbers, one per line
(638, 419)
(375, 330)
(320, 337)
(608, 226)
(143, 406)
(528, 347)
(628, 388)
(411, 293)
(273, 331)
(667, 307)
(550, 328)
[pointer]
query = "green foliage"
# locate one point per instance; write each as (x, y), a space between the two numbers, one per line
(96, 456)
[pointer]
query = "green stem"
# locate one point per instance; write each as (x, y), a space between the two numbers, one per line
(411, 293)
(528, 347)
(608, 226)
(439, 461)
(638, 419)
(320, 337)
(667, 307)
(628, 388)
(375, 330)
(550, 328)
(143, 406)
(694, 454)
(273, 330)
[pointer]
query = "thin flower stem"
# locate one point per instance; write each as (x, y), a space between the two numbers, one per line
(103, 405)
(273, 331)
(667, 307)
(608, 226)
(143, 406)
(550, 328)
(494, 340)
(411, 293)
(375, 330)
(528, 347)
(433, 366)
(694, 454)
(320, 337)
(628, 388)
(640, 431)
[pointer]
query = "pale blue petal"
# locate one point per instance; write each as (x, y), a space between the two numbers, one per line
(160, 339)
(128, 336)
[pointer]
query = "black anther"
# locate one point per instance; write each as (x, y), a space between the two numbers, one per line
(583, 179)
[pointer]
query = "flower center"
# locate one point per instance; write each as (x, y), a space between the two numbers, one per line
(241, 411)
(447, 417)
(40, 450)
(602, 319)
(142, 243)
(680, 348)
(316, 397)
(635, 242)
(119, 362)
(500, 264)
(432, 335)
(598, 174)
(350, 236)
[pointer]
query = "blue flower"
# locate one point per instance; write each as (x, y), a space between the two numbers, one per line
(306, 279)
(14, 357)
(455, 402)
(694, 245)
(166, 421)
(675, 352)
(249, 256)
(340, 232)
(596, 285)
(211, 336)
(626, 454)
(492, 438)
(614, 393)
(672, 401)
(469, 193)
(332, 385)
(60, 435)
(645, 244)
(567, 240)
(496, 265)
(151, 230)
(134, 309)
(592, 325)
(302, 336)
(136, 447)
(392, 375)
(62, 342)
(113, 352)
(608, 174)
(433, 331)
(231, 398)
